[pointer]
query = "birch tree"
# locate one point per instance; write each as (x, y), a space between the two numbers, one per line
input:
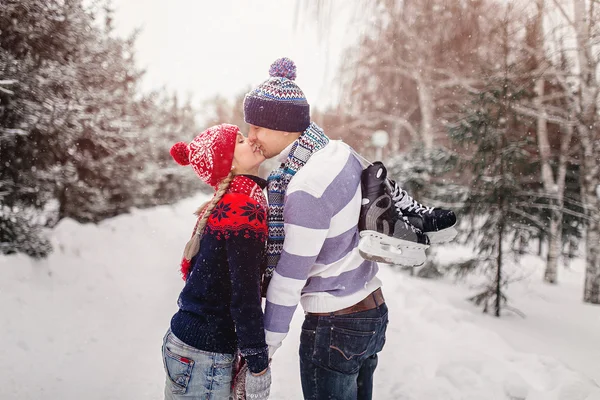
(553, 182)
(583, 87)
(412, 62)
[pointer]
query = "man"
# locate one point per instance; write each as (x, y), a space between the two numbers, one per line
(313, 254)
(314, 206)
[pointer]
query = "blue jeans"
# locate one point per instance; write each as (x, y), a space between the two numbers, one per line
(193, 373)
(338, 354)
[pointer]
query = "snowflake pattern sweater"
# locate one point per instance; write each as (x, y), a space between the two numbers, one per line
(220, 304)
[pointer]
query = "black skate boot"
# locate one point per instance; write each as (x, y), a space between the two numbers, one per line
(386, 236)
(437, 223)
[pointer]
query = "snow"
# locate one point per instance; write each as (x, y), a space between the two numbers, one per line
(557, 322)
(88, 322)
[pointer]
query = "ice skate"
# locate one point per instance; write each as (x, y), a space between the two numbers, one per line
(437, 223)
(386, 236)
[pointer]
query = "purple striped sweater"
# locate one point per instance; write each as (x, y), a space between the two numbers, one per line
(320, 266)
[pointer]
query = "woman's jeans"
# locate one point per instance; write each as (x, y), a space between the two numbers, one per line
(193, 373)
(338, 354)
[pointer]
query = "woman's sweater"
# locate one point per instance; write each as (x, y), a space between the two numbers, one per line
(220, 305)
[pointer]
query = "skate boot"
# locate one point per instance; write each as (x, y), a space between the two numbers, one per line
(436, 223)
(386, 236)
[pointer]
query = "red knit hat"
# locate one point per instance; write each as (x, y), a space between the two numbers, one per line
(210, 153)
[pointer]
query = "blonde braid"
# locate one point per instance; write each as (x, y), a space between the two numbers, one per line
(193, 246)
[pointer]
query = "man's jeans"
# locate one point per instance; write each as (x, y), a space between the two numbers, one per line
(338, 354)
(193, 373)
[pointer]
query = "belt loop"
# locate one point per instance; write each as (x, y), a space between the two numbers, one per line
(375, 299)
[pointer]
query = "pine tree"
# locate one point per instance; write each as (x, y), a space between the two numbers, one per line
(163, 122)
(96, 154)
(74, 137)
(38, 41)
(492, 132)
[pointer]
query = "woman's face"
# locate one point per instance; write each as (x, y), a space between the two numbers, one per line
(246, 157)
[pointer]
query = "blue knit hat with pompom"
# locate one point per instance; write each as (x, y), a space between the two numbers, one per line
(278, 103)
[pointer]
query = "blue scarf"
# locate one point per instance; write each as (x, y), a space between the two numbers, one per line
(312, 140)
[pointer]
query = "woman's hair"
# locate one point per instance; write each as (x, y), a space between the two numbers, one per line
(193, 246)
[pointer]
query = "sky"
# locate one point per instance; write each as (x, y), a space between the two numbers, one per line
(207, 48)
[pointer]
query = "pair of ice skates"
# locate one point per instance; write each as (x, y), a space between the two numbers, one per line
(395, 228)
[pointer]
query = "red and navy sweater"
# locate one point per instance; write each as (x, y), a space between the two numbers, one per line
(220, 304)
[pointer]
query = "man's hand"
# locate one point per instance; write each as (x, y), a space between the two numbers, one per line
(258, 386)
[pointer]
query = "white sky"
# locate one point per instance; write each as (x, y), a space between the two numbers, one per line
(203, 48)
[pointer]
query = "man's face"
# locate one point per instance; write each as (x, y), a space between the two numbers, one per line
(270, 142)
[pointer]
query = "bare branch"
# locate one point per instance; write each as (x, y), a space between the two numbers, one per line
(555, 208)
(530, 112)
(563, 12)
(531, 218)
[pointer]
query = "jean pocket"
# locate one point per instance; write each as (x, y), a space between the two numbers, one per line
(346, 351)
(178, 370)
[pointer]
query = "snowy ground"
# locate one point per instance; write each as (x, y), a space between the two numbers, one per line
(88, 323)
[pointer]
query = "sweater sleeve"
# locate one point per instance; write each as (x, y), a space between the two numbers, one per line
(307, 220)
(245, 245)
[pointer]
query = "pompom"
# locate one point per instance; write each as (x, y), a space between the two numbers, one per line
(283, 68)
(180, 153)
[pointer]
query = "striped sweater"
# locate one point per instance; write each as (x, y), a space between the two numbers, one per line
(320, 266)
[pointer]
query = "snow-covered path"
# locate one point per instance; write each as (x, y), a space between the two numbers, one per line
(87, 323)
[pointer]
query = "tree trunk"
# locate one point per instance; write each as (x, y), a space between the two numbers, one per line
(589, 135)
(592, 272)
(550, 187)
(591, 199)
(426, 106)
(551, 274)
(498, 304)
(554, 188)
(555, 244)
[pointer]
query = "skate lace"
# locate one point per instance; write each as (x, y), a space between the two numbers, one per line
(403, 201)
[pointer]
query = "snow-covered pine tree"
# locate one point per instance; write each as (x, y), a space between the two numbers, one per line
(97, 153)
(38, 41)
(72, 137)
(163, 122)
(497, 160)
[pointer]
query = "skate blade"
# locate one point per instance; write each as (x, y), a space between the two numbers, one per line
(374, 246)
(442, 236)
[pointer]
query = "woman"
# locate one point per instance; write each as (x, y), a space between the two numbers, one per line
(220, 304)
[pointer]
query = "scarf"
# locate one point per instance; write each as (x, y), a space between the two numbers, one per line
(312, 140)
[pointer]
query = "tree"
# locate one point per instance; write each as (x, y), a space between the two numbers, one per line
(582, 87)
(163, 122)
(495, 199)
(495, 136)
(544, 105)
(413, 65)
(38, 39)
(73, 131)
